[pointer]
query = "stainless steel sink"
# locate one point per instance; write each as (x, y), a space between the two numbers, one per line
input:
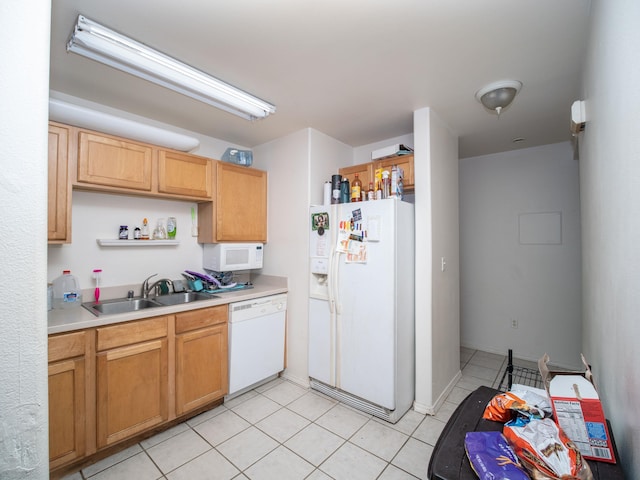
(120, 305)
(125, 305)
(179, 298)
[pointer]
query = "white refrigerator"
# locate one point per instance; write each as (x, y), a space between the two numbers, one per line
(361, 305)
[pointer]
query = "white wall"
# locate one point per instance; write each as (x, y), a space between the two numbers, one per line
(298, 165)
(536, 285)
(609, 182)
(98, 216)
(437, 306)
(23, 194)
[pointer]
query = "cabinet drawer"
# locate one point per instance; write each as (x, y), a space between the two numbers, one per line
(132, 332)
(68, 345)
(201, 318)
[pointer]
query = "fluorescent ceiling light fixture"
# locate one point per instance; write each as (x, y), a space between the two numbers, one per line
(102, 44)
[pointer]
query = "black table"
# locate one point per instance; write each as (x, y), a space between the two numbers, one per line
(449, 460)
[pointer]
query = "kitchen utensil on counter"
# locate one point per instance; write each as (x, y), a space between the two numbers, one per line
(96, 275)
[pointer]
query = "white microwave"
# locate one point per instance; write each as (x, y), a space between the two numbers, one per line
(228, 257)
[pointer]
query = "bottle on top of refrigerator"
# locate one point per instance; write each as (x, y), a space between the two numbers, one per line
(386, 184)
(379, 189)
(356, 189)
(66, 291)
(371, 194)
(345, 190)
(394, 181)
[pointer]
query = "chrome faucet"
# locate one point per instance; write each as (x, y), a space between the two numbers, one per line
(146, 288)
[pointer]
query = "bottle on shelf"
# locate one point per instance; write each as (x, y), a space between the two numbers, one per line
(356, 189)
(371, 194)
(159, 233)
(171, 228)
(66, 291)
(144, 232)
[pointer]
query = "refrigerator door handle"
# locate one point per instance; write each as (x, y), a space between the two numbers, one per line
(336, 283)
(330, 281)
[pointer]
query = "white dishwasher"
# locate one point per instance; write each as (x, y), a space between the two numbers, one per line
(256, 340)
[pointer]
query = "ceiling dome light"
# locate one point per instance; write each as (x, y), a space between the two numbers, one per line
(498, 95)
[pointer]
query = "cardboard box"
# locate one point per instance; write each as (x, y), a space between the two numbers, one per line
(578, 411)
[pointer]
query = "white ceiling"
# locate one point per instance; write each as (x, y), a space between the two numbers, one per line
(352, 69)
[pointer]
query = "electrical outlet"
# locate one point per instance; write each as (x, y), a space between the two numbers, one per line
(514, 323)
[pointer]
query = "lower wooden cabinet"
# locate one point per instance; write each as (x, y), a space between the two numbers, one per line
(201, 358)
(132, 379)
(111, 383)
(67, 409)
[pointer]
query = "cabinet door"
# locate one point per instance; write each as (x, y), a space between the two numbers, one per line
(182, 174)
(66, 411)
(59, 196)
(132, 379)
(67, 408)
(239, 212)
(403, 161)
(364, 171)
(201, 367)
(114, 162)
(132, 390)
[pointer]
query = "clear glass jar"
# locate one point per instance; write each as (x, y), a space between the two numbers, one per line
(159, 233)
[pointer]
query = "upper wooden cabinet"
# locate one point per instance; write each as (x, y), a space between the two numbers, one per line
(59, 193)
(403, 161)
(366, 171)
(112, 164)
(239, 211)
(183, 174)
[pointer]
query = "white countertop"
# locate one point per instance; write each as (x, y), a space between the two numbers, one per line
(77, 318)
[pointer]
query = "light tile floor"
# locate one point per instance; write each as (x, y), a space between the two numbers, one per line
(285, 432)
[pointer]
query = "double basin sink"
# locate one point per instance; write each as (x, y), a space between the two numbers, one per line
(127, 305)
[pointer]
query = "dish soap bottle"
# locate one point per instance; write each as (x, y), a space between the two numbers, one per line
(66, 291)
